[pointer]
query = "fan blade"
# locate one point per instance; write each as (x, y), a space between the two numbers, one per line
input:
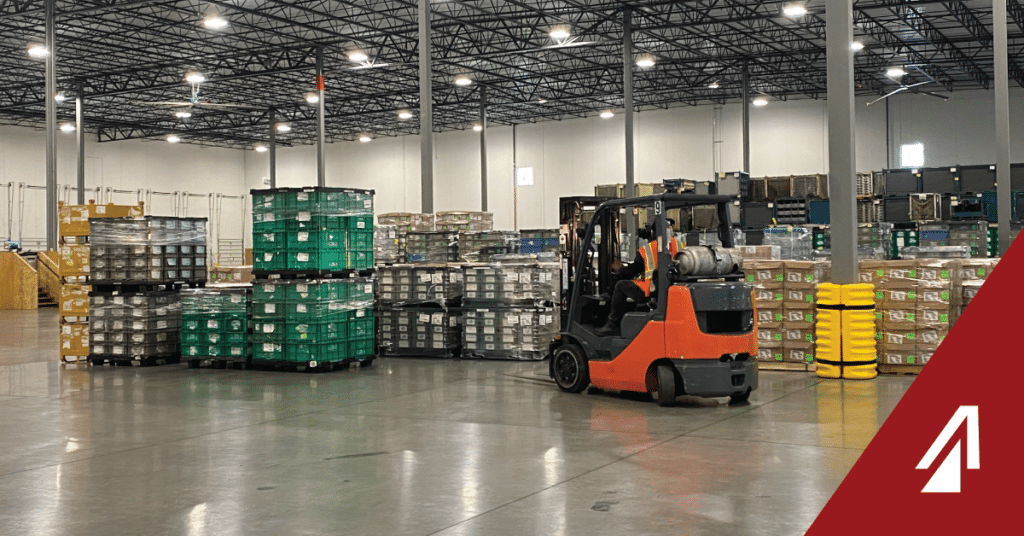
(891, 93)
(917, 84)
(936, 95)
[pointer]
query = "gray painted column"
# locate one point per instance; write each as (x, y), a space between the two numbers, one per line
(80, 138)
(1002, 86)
(321, 163)
(841, 152)
(426, 113)
(627, 84)
(483, 149)
(272, 148)
(51, 127)
(746, 117)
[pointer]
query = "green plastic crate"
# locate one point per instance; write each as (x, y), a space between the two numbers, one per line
(268, 202)
(316, 331)
(359, 223)
(270, 241)
(358, 240)
(267, 351)
(267, 292)
(361, 324)
(264, 260)
(359, 260)
(318, 239)
(360, 348)
(314, 311)
(313, 259)
(314, 291)
(192, 337)
(304, 352)
(267, 311)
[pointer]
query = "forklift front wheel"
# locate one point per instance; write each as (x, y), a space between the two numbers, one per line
(666, 385)
(740, 398)
(572, 374)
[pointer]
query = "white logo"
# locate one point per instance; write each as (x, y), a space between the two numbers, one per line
(947, 477)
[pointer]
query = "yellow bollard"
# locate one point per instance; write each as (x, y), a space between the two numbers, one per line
(845, 331)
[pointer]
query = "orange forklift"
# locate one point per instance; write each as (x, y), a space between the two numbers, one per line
(695, 335)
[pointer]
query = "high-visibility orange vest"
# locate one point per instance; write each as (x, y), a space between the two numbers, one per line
(649, 253)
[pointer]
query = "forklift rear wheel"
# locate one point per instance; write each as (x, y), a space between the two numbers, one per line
(666, 385)
(571, 370)
(741, 398)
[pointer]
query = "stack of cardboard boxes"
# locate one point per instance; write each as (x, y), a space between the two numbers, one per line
(768, 278)
(785, 297)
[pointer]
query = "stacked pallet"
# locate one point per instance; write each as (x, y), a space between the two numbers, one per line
(388, 244)
(509, 308)
(74, 269)
(418, 310)
(395, 226)
(785, 297)
(459, 221)
(433, 247)
(533, 241)
(480, 246)
(311, 309)
(215, 325)
(140, 328)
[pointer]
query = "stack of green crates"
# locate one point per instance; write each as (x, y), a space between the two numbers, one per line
(214, 323)
(312, 321)
(312, 230)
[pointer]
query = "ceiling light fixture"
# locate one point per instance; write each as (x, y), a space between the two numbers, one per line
(607, 114)
(261, 149)
(215, 22)
(38, 51)
(477, 128)
(312, 98)
(760, 101)
(284, 127)
(895, 72)
(67, 128)
(404, 114)
(357, 56)
(560, 33)
(194, 77)
(856, 46)
(542, 101)
(60, 97)
(184, 114)
(645, 62)
(463, 81)
(173, 139)
(365, 138)
(713, 85)
(794, 10)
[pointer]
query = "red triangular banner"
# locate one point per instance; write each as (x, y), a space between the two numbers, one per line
(978, 365)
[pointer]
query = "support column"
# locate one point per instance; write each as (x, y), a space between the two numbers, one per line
(426, 113)
(272, 148)
(1002, 87)
(321, 163)
(746, 117)
(841, 152)
(483, 148)
(80, 138)
(51, 127)
(627, 84)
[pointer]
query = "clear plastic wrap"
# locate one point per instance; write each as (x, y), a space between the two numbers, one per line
(936, 252)
(480, 246)
(516, 333)
(419, 331)
(432, 248)
(794, 243)
(512, 280)
(320, 320)
(414, 284)
(215, 322)
(407, 222)
(132, 326)
(148, 250)
(463, 221)
(388, 244)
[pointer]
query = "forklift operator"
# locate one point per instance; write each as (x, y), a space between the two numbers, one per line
(629, 289)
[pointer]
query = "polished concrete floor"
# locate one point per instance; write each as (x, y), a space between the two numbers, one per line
(407, 447)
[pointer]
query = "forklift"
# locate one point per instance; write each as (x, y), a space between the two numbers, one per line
(695, 335)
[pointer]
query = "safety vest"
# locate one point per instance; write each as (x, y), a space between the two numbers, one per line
(649, 253)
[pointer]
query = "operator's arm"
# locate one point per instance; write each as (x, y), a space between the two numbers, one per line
(633, 269)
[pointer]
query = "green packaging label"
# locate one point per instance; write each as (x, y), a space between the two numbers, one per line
(913, 274)
(911, 360)
(809, 357)
(945, 295)
(911, 316)
(880, 273)
(809, 298)
(981, 272)
(777, 337)
(778, 277)
(778, 357)
(912, 295)
(879, 295)
(809, 317)
(750, 278)
(809, 337)
(778, 317)
(943, 317)
(778, 296)
(809, 278)
(945, 274)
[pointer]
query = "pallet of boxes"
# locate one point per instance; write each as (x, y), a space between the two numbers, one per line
(74, 271)
(418, 308)
(215, 326)
(138, 267)
(391, 231)
(312, 304)
(917, 302)
(509, 307)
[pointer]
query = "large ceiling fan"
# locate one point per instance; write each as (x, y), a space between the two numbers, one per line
(194, 100)
(898, 73)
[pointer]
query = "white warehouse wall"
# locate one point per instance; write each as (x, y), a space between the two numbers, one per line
(126, 165)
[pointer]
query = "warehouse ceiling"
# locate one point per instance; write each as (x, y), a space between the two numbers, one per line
(129, 53)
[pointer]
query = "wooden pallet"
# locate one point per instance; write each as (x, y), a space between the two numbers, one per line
(884, 368)
(786, 366)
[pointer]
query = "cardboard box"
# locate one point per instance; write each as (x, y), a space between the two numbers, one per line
(798, 352)
(901, 272)
(893, 339)
(73, 220)
(931, 336)
(769, 318)
(870, 271)
(896, 298)
(899, 355)
(929, 317)
(764, 271)
(768, 295)
(795, 335)
(73, 260)
(797, 317)
(763, 253)
(925, 352)
(804, 274)
(770, 352)
(74, 339)
(937, 270)
(976, 269)
(935, 295)
(802, 297)
(904, 319)
(74, 300)
(770, 336)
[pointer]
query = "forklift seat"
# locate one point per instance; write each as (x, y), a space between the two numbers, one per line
(633, 323)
